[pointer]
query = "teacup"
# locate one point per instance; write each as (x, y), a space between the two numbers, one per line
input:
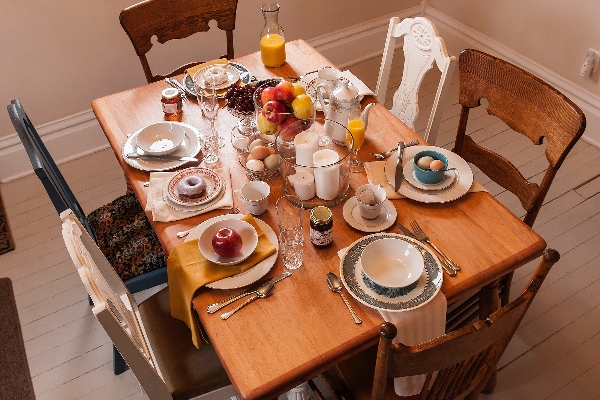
(254, 196)
(370, 203)
(328, 78)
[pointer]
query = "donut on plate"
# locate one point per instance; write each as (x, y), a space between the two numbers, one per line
(191, 187)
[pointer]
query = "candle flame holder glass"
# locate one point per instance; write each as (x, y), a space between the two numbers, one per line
(325, 182)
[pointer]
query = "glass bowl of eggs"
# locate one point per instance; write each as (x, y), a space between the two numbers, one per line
(430, 167)
(260, 160)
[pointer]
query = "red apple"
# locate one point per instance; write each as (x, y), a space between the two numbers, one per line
(274, 111)
(226, 242)
(284, 91)
(289, 128)
(267, 95)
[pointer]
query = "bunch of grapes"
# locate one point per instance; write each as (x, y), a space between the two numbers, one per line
(239, 98)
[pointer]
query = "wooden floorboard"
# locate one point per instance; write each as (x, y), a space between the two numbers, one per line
(554, 355)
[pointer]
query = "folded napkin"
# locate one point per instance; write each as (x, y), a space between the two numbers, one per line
(376, 176)
(414, 327)
(363, 89)
(188, 270)
(191, 71)
(162, 212)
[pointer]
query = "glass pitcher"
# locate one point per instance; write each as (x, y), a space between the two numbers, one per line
(272, 41)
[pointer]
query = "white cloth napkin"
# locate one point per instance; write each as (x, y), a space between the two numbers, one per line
(376, 176)
(363, 90)
(414, 327)
(162, 212)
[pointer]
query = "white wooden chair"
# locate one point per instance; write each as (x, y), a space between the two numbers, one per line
(422, 46)
(157, 347)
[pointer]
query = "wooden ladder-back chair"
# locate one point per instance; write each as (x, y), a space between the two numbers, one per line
(529, 106)
(458, 365)
(422, 46)
(175, 19)
(120, 227)
(157, 347)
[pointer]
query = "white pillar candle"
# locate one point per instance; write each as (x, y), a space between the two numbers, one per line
(240, 143)
(327, 175)
(307, 143)
(304, 185)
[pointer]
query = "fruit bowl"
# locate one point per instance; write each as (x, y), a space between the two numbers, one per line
(280, 103)
(246, 231)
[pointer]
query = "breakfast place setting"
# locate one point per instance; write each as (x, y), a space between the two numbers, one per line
(292, 204)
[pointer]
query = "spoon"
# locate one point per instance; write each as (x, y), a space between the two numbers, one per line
(262, 292)
(336, 286)
(386, 154)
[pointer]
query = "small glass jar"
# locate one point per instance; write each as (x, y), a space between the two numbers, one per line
(321, 226)
(172, 103)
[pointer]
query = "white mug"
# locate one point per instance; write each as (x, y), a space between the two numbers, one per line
(254, 196)
(371, 210)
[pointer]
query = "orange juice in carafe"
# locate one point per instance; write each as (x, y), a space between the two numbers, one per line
(272, 41)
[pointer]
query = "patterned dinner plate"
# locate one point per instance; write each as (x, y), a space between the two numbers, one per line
(428, 284)
(243, 71)
(214, 185)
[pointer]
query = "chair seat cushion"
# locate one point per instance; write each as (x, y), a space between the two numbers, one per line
(126, 237)
(187, 371)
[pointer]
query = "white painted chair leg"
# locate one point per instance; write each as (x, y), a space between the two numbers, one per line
(300, 392)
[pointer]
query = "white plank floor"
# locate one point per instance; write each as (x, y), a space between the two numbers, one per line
(554, 355)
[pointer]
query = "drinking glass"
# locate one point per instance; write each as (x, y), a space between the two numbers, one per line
(209, 103)
(291, 239)
(356, 127)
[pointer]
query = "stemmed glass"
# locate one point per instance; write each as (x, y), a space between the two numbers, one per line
(209, 103)
(356, 127)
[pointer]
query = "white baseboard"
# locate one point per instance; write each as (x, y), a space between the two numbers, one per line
(587, 101)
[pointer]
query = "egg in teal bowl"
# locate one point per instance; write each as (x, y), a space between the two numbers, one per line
(427, 166)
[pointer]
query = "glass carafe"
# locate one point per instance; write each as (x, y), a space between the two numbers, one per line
(272, 41)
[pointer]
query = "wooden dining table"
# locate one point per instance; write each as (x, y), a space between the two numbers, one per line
(303, 328)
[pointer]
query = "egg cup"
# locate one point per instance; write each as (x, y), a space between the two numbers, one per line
(429, 177)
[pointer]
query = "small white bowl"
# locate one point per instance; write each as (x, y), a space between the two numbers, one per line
(244, 229)
(392, 263)
(160, 138)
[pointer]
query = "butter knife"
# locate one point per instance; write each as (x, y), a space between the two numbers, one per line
(167, 157)
(447, 268)
(213, 308)
(399, 172)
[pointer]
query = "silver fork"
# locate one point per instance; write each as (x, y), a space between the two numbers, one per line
(423, 238)
(183, 234)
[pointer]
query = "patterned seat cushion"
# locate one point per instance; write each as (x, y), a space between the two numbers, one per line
(126, 237)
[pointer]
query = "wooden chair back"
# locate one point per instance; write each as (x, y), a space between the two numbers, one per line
(114, 306)
(461, 361)
(175, 19)
(527, 105)
(422, 46)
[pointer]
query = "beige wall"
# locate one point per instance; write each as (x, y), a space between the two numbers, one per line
(553, 33)
(57, 56)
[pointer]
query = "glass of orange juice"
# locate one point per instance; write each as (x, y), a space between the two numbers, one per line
(356, 128)
(272, 41)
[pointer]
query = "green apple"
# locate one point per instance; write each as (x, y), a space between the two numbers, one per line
(264, 126)
(303, 106)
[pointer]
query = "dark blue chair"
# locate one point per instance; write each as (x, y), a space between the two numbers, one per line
(120, 228)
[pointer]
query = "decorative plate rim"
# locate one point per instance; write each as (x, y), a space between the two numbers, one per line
(171, 186)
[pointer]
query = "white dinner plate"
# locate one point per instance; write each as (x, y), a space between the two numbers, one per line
(214, 185)
(428, 284)
(386, 218)
(189, 148)
(458, 188)
(250, 275)
(244, 230)
(409, 175)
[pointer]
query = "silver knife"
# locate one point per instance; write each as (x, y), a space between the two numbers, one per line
(448, 268)
(175, 83)
(399, 172)
(213, 308)
(167, 157)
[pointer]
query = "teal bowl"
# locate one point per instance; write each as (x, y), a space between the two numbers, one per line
(428, 177)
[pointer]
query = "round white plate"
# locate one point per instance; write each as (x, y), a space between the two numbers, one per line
(193, 209)
(245, 77)
(458, 188)
(232, 76)
(428, 284)
(409, 175)
(214, 185)
(189, 148)
(244, 229)
(250, 275)
(392, 263)
(386, 218)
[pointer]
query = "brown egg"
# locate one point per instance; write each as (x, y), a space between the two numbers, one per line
(260, 152)
(436, 165)
(272, 150)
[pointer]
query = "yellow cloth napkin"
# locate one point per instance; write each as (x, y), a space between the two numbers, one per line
(376, 176)
(191, 71)
(188, 270)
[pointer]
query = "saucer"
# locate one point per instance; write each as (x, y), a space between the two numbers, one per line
(386, 218)
(409, 175)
